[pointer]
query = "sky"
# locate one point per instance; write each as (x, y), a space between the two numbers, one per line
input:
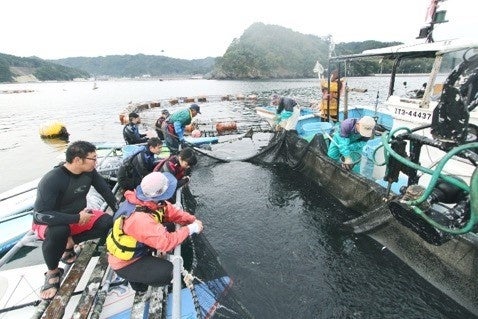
(196, 29)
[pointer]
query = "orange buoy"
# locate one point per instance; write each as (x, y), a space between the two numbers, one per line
(123, 118)
(223, 127)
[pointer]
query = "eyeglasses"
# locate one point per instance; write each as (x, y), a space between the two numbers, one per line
(94, 159)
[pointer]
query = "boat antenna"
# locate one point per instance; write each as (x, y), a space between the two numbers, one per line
(434, 16)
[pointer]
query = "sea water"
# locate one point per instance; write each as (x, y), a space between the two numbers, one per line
(278, 235)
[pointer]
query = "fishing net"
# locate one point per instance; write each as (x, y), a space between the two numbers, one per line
(213, 292)
(311, 160)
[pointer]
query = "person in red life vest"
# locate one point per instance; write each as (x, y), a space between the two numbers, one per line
(138, 232)
(180, 166)
(60, 215)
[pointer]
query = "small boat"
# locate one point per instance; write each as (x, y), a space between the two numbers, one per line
(310, 122)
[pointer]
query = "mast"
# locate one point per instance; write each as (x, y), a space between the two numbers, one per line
(434, 16)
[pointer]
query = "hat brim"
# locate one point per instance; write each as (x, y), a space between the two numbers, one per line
(172, 182)
(366, 132)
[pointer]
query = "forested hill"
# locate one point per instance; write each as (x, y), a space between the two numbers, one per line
(139, 65)
(19, 69)
(262, 52)
(271, 51)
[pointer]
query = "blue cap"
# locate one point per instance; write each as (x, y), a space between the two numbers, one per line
(195, 107)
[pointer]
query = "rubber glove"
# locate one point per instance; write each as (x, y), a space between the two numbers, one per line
(195, 227)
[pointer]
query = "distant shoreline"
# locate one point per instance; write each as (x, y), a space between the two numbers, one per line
(399, 74)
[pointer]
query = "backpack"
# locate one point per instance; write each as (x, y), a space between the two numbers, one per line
(128, 176)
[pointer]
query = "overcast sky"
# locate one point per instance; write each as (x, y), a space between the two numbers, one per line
(190, 29)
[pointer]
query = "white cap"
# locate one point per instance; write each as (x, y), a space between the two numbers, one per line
(366, 126)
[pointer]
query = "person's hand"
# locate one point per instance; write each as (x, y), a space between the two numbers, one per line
(85, 216)
(195, 227)
(186, 180)
(347, 164)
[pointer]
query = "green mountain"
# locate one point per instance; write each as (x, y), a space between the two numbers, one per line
(18, 69)
(262, 52)
(271, 51)
(139, 65)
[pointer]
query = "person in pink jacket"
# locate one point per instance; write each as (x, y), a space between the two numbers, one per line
(138, 232)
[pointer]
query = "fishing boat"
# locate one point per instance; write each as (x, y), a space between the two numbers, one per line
(413, 107)
(416, 189)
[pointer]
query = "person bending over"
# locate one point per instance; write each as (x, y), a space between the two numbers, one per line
(176, 123)
(285, 109)
(61, 217)
(352, 137)
(138, 232)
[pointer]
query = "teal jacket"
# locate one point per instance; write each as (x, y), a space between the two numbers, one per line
(180, 119)
(346, 140)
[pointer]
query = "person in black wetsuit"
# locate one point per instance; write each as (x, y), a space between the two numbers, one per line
(61, 217)
(131, 133)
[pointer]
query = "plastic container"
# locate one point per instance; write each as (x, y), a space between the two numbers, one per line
(318, 127)
(368, 168)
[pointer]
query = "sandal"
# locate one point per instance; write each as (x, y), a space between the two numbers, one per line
(70, 257)
(47, 285)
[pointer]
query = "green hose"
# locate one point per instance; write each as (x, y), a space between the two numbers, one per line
(436, 175)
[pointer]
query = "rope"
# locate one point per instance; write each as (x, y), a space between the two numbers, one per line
(199, 150)
(188, 279)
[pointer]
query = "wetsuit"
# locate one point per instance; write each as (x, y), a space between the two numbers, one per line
(131, 134)
(61, 195)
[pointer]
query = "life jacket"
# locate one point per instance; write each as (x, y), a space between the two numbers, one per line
(122, 245)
